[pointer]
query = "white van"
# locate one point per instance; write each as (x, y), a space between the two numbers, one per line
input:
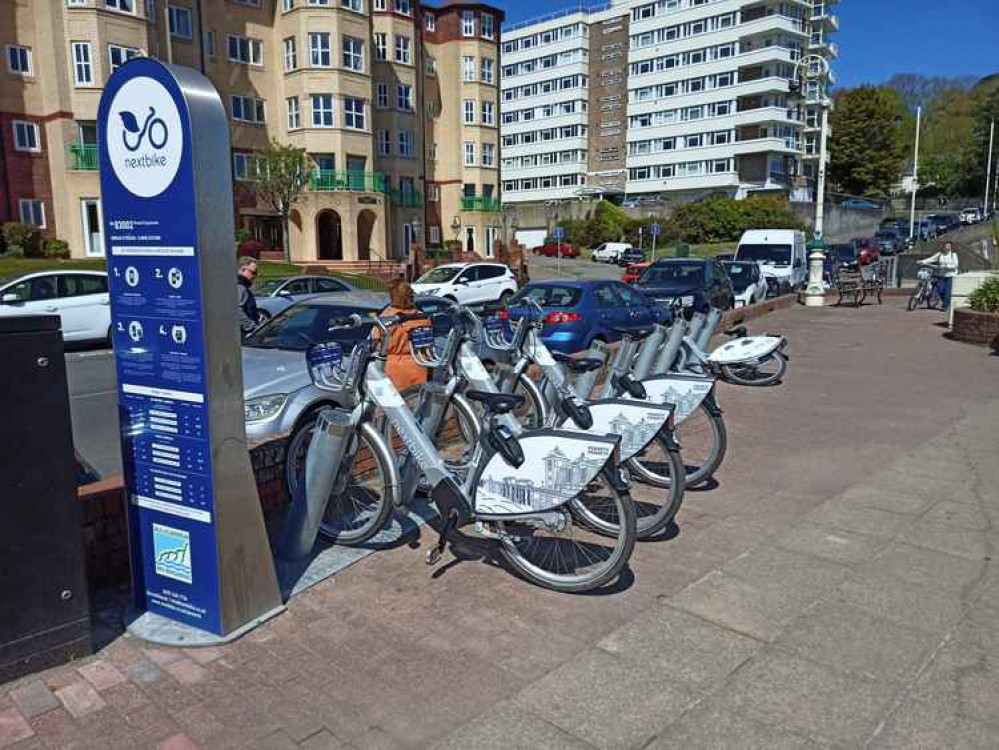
(781, 254)
(609, 252)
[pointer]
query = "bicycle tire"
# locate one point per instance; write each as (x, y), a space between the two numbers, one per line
(913, 302)
(334, 525)
(747, 376)
(700, 466)
(617, 556)
(653, 517)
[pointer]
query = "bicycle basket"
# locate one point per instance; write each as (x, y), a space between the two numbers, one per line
(924, 274)
(325, 363)
(422, 346)
(499, 333)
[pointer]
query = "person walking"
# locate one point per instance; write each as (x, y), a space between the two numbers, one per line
(946, 264)
(247, 313)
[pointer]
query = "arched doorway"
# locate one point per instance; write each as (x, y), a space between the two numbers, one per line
(365, 231)
(329, 235)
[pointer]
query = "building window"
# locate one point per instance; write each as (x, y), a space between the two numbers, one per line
(468, 68)
(290, 54)
(379, 4)
(32, 212)
(404, 7)
(319, 50)
(243, 166)
(402, 50)
(322, 3)
(180, 21)
(435, 236)
(381, 96)
(26, 136)
(432, 152)
(118, 56)
(353, 53)
(355, 5)
(322, 110)
(430, 22)
(244, 50)
(406, 143)
(19, 59)
(404, 97)
(467, 23)
(488, 155)
(353, 113)
(248, 109)
(384, 143)
(83, 70)
(381, 47)
(210, 43)
(469, 154)
(294, 118)
(125, 6)
(487, 26)
(468, 111)
(431, 65)
(487, 70)
(488, 113)
(287, 5)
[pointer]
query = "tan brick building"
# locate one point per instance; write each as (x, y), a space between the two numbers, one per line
(376, 91)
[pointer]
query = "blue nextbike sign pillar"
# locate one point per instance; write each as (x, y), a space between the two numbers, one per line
(202, 569)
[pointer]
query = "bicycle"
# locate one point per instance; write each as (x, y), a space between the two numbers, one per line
(927, 292)
(131, 125)
(533, 493)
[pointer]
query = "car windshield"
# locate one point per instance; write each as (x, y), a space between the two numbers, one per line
(439, 275)
(301, 326)
(845, 252)
(267, 288)
(778, 255)
(548, 296)
(741, 275)
(688, 274)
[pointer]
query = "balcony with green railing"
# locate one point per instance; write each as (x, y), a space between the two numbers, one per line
(84, 156)
(483, 205)
(405, 198)
(330, 180)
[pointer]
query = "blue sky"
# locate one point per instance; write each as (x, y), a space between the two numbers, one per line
(878, 38)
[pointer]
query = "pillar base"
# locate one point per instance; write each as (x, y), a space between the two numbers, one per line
(815, 300)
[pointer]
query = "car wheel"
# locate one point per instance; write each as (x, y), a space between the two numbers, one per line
(505, 296)
(451, 298)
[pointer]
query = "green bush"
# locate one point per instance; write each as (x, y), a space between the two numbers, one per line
(55, 248)
(986, 297)
(19, 239)
(725, 219)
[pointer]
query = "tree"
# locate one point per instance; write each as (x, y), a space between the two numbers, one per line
(280, 174)
(867, 156)
(919, 90)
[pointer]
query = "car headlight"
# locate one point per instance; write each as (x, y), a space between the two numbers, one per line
(263, 407)
(431, 291)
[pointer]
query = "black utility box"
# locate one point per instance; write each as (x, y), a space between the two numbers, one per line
(44, 607)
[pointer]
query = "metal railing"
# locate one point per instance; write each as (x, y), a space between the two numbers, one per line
(582, 7)
(485, 205)
(327, 180)
(405, 198)
(85, 156)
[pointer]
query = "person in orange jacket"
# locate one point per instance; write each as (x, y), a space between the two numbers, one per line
(400, 367)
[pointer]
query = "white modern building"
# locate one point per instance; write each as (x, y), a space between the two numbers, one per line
(673, 98)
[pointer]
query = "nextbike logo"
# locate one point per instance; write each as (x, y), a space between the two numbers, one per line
(144, 137)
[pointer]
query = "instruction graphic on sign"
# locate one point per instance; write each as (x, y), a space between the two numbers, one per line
(172, 552)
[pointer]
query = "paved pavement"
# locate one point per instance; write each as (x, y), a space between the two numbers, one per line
(542, 269)
(837, 589)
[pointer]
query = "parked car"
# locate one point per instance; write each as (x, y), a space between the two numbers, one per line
(577, 313)
(748, 282)
(630, 255)
(698, 283)
(866, 250)
(782, 253)
(889, 241)
(971, 215)
(632, 272)
(79, 298)
(833, 261)
(553, 249)
(275, 295)
(608, 252)
(858, 204)
(468, 283)
(944, 222)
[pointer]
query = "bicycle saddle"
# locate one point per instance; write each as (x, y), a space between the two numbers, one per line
(496, 403)
(633, 333)
(738, 332)
(583, 364)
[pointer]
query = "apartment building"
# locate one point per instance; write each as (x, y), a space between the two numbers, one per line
(373, 90)
(674, 98)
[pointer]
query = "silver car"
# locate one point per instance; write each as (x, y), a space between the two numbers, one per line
(275, 295)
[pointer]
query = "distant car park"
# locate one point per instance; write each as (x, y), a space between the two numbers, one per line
(554, 249)
(275, 295)
(79, 298)
(695, 284)
(630, 255)
(971, 215)
(858, 204)
(748, 282)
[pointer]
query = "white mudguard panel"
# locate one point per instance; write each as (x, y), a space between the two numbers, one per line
(558, 465)
(634, 422)
(745, 350)
(685, 392)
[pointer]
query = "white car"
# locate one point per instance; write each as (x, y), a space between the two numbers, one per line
(748, 282)
(609, 252)
(468, 283)
(79, 298)
(971, 216)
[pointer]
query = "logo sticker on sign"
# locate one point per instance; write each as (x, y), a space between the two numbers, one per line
(144, 141)
(172, 552)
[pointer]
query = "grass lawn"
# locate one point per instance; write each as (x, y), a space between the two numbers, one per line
(696, 251)
(11, 267)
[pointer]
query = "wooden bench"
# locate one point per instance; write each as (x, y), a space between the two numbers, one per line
(856, 285)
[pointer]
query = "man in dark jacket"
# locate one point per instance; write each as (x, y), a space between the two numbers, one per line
(247, 312)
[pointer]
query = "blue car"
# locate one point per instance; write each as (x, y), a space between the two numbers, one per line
(858, 204)
(577, 313)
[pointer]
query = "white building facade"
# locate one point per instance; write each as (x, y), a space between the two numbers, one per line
(670, 98)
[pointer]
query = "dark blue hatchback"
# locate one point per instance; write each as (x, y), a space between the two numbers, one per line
(580, 312)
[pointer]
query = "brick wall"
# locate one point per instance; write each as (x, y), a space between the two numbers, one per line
(25, 174)
(976, 327)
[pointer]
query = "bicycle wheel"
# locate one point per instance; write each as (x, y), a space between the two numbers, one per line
(703, 441)
(659, 466)
(770, 370)
(355, 515)
(558, 551)
(914, 301)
